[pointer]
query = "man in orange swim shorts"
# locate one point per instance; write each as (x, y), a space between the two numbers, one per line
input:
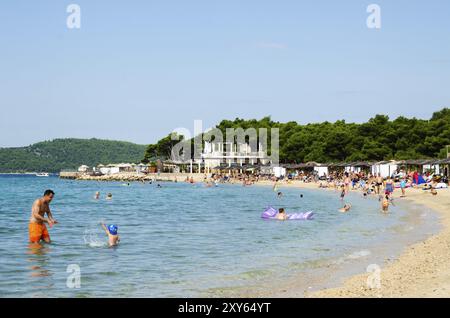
(37, 229)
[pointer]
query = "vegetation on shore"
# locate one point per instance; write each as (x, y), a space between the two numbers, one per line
(59, 154)
(377, 139)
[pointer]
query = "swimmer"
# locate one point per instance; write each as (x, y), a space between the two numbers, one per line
(97, 195)
(111, 231)
(281, 215)
(301, 195)
(109, 196)
(159, 186)
(346, 208)
(279, 194)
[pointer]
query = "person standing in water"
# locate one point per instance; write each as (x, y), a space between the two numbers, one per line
(37, 229)
(379, 183)
(389, 186)
(343, 192)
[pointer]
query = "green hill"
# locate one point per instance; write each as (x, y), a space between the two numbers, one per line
(59, 154)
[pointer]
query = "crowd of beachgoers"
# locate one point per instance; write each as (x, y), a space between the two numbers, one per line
(344, 182)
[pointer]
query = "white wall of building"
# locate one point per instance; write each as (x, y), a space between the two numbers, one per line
(109, 170)
(279, 171)
(385, 170)
(321, 171)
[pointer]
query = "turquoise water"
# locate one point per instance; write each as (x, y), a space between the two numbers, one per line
(184, 240)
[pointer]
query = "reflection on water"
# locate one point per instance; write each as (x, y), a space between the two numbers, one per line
(38, 257)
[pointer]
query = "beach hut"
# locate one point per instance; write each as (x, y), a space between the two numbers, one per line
(431, 166)
(125, 167)
(279, 172)
(321, 170)
(384, 168)
(444, 166)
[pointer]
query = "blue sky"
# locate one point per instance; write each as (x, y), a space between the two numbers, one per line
(138, 69)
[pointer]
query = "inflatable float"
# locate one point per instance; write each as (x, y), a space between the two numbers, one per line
(270, 214)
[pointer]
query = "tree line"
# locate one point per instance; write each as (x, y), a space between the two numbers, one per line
(380, 138)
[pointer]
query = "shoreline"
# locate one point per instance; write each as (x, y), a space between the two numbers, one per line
(421, 270)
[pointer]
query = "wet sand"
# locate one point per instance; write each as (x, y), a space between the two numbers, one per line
(422, 270)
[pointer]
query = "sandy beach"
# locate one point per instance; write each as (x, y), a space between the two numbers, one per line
(422, 270)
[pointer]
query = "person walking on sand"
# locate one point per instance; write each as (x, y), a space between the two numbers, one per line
(403, 187)
(37, 229)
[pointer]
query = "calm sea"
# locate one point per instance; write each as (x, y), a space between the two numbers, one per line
(188, 240)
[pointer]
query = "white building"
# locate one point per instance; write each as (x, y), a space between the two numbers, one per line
(215, 153)
(83, 168)
(109, 169)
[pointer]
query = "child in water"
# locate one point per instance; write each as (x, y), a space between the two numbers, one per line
(385, 204)
(111, 231)
(281, 215)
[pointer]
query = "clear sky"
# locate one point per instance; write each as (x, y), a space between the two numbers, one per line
(138, 69)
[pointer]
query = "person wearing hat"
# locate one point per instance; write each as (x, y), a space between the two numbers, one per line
(111, 231)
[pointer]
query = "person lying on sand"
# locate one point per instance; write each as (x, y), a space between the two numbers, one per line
(111, 231)
(346, 208)
(282, 216)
